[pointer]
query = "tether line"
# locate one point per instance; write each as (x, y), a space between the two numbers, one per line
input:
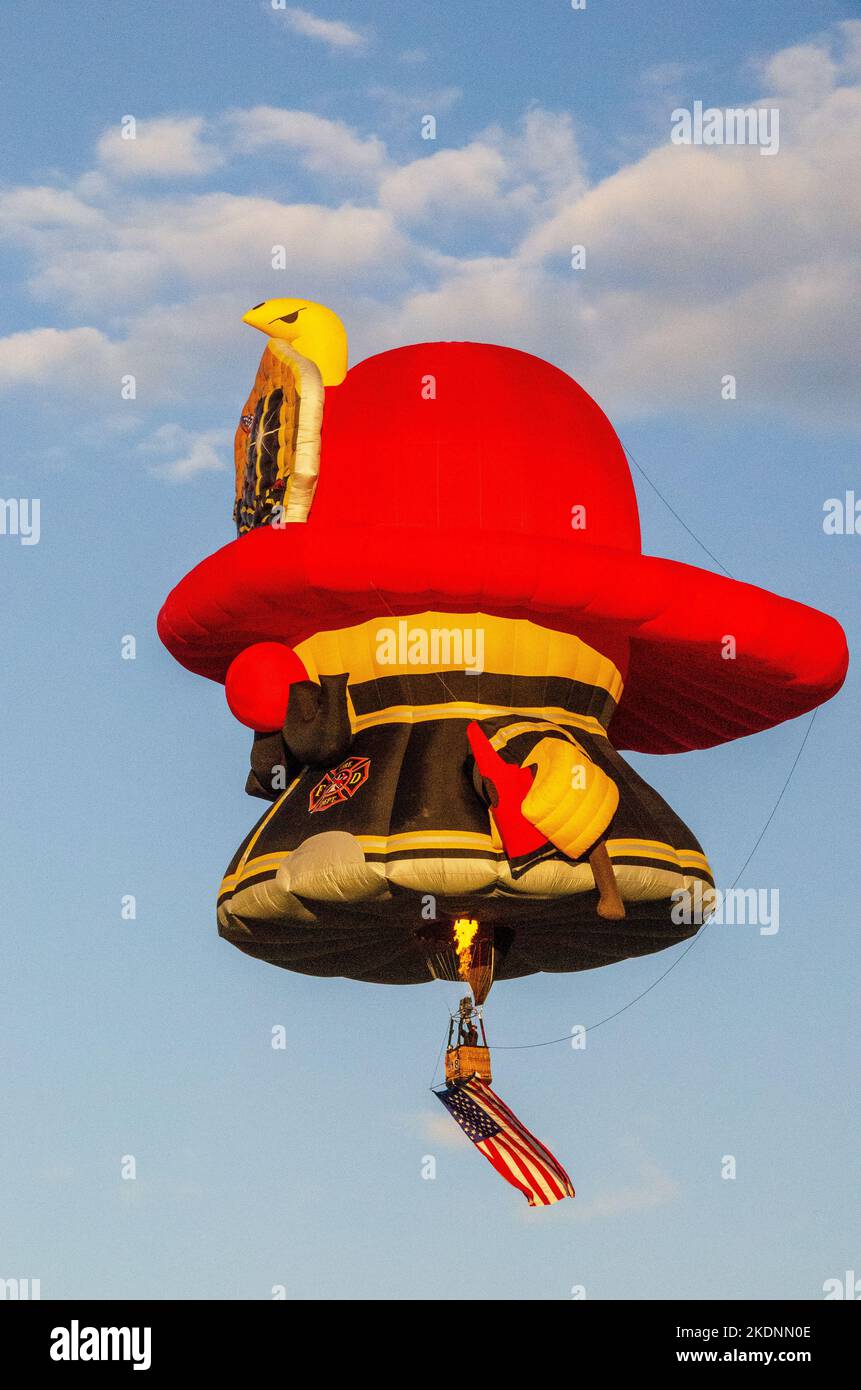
(693, 535)
(520, 1047)
(551, 1042)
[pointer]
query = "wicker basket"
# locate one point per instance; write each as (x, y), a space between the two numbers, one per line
(461, 1062)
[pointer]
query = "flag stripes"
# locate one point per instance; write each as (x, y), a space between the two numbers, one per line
(508, 1145)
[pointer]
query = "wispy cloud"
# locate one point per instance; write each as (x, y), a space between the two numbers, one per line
(26, 211)
(182, 455)
(654, 1188)
(324, 146)
(419, 101)
(670, 74)
(68, 358)
(440, 1129)
(215, 240)
(170, 147)
(337, 35)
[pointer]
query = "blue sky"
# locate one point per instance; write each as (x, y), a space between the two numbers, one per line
(302, 1168)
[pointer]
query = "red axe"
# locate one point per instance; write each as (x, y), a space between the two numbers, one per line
(509, 784)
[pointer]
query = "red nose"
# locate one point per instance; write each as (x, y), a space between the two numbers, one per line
(258, 684)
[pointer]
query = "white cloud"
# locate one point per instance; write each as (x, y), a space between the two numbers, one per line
(491, 299)
(325, 146)
(805, 72)
(29, 210)
(332, 32)
(690, 219)
(186, 352)
(466, 178)
(212, 239)
(57, 358)
(170, 147)
(546, 148)
(190, 453)
(700, 261)
(169, 350)
(498, 175)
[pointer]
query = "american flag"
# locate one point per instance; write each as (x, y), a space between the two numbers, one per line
(506, 1143)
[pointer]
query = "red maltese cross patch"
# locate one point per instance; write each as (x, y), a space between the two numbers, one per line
(339, 784)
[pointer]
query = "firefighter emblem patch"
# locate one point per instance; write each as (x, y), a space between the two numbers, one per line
(339, 784)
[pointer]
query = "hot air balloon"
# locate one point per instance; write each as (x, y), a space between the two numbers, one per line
(439, 623)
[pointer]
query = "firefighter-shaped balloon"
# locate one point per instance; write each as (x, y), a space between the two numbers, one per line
(439, 623)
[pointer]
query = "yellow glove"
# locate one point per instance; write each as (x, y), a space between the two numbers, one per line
(571, 801)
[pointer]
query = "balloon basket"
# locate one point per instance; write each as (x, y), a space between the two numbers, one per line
(463, 1062)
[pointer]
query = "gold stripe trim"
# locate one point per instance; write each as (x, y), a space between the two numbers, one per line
(237, 873)
(466, 839)
(504, 736)
(511, 646)
(459, 709)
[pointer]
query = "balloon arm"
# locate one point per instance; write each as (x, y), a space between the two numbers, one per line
(512, 787)
(317, 729)
(272, 767)
(254, 787)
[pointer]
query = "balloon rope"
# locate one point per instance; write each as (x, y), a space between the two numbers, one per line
(436, 1063)
(508, 1047)
(672, 509)
(520, 1047)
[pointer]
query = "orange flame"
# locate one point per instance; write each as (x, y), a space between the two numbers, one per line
(465, 929)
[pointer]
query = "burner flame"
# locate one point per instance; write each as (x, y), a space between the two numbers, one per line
(465, 929)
